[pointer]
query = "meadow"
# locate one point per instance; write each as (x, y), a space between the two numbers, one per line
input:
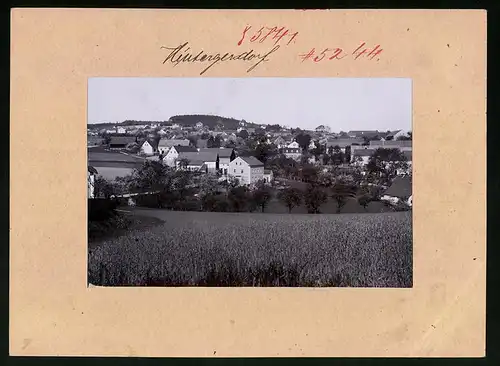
(245, 249)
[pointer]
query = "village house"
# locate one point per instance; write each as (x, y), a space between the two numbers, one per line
(400, 191)
(199, 125)
(292, 153)
(226, 155)
(196, 160)
(312, 145)
(173, 154)
(165, 144)
(121, 142)
(280, 142)
(120, 130)
(361, 156)
(148, 147)
(393, 135)
(247, 169)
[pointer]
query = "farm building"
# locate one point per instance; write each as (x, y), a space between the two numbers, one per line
(209, 161)
(247, 169)
(226, 155)
(174, 153)
(121, 142)
(399, 191)
(354, 143)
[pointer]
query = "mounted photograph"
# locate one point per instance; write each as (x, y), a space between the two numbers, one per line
(250, 182)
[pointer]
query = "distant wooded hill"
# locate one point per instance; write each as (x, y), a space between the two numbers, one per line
(185, 120)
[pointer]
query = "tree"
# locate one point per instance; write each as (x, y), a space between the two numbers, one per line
(314, 197)
(243, 134)
(303, 140)
(347, 154)
(261, 195)
(291, 197)
(337, 156)
(238, 198)
(385, 164)
(318, 150)
(103, 188)
(364, 200)
(217, 142)
(330, 150)
(341, 192)
(210, 142)
(309, 173)
(264, 151)
(193, 140)
(183, 163)
(205, 136)
(326, 159)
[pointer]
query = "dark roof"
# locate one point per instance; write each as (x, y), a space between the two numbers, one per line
(252, 161)
(364, 133)
(363, 152)
(198, 156)
(392, 143)
(121, 140)
(180, 149)
(173, 142)
(201, 143)
(223, 153)
(92, 170)
(408, 154)
(343, 142)
(153, 143)
(401, 187)
(268, 171)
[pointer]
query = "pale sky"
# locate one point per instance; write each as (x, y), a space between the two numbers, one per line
(341, 103)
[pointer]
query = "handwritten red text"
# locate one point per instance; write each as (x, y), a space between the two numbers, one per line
(271, 34)
(361, 52)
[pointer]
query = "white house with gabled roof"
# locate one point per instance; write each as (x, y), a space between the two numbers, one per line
(247, 169)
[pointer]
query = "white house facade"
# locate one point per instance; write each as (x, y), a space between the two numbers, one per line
(147, 148)
(247, 170)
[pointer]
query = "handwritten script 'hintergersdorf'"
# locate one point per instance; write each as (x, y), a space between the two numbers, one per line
(183, 53)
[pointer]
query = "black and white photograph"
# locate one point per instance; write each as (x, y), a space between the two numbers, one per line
(250, 182)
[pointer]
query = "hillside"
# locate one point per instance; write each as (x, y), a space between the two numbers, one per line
(185, 120)
(209, 121)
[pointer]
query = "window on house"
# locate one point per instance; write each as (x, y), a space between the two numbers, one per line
(235, 170)
(242, 170)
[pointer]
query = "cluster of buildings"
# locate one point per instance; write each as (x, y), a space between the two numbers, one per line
(110, 154)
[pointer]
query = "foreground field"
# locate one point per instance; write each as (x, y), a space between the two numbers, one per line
(227, 249)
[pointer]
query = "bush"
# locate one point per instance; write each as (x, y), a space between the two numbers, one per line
(101, 209)
(97, 229)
